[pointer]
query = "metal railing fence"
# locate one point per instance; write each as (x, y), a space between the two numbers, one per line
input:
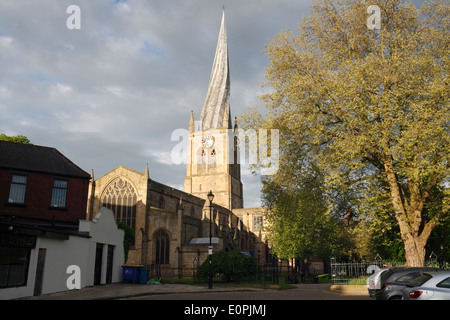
(358, 272)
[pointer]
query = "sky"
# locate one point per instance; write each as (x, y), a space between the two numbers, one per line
(114, 91)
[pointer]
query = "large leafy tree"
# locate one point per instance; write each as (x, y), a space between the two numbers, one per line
(16, 139)
(370, 106)
(300, 223)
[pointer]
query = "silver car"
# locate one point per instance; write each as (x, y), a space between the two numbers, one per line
(429, 286)
(373, 282)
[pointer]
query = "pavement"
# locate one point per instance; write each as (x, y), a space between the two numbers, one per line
(131, 290)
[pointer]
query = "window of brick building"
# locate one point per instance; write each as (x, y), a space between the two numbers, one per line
(17, 190)
(59, 193)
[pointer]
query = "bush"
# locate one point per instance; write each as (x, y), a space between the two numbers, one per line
(128, 239)
(231, 265)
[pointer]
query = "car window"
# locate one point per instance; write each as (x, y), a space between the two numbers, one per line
(408, 277)
(444, 283)
(420, 280)
(386, 274)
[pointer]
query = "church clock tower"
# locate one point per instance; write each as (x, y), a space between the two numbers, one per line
(212, 148)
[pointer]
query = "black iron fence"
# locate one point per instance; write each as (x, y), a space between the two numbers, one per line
(358, 272)
(266, 274)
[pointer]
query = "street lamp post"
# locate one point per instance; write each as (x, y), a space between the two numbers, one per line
(210, 198)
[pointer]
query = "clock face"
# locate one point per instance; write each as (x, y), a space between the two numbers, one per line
(208, 142)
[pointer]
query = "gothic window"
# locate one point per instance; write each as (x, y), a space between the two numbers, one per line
(202, 162)
(161, 203)
(258, 222)
(212, 159)
(162, 247)
(120, 196)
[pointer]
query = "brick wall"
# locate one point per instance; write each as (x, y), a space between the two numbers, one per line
(38, 196)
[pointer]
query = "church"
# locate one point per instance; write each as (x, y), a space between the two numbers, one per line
(173, 227)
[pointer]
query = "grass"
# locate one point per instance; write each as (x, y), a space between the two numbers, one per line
(359, 281)
(324, 278)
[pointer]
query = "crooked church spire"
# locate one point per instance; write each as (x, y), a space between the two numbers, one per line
(212, 156)
(217, 102)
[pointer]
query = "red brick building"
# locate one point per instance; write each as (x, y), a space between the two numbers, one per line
(43, 226)
(40, 182)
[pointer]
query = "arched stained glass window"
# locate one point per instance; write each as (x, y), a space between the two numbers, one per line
(162, 247)
(120, 196)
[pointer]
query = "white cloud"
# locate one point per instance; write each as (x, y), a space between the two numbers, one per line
(5, 42)
(159, 156)
(112, 92)
(25, 123)
(5, 92)
(61, 88)
(117, 91)
(122, 8)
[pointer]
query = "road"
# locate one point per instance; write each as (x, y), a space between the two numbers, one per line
(270, 304)
(302, 292)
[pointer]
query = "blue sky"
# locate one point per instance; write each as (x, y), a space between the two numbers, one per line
(113, 92)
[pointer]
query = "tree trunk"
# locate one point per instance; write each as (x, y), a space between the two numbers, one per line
(414, 252)
(409, 221)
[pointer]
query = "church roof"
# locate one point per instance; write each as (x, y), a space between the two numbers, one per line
(214, 240)
(216, 110)
(34, 158)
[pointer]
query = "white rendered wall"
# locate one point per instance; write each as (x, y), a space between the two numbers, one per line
(78, 251)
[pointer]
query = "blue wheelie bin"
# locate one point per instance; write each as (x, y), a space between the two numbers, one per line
(131, 272)
(143, 276)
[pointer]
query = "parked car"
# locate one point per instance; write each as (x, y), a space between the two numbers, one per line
(429, 286)
(395, 280)
(374, 283)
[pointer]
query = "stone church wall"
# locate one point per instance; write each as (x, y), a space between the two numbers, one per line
(181, 217)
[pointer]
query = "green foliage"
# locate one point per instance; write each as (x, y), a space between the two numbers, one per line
(16, 139)
(128, 239)
(232, 265)
(370, 108)
(300, 223)
(439, 242)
